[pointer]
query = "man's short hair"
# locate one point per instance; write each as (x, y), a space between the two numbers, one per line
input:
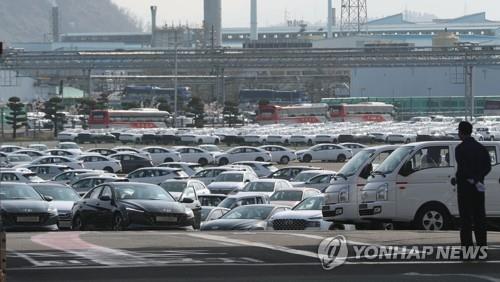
(465, 128)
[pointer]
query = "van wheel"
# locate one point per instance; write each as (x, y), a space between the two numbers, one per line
(432, 218)
(259, 159)
(284, 160)
(108, 169)
(307, 158)
(341, 158)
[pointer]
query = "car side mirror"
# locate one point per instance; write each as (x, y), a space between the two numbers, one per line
(454, 181)
(105, 198)
(187, 201)
(48, 198)
(406, 169)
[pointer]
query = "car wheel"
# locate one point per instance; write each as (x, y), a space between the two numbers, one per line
(287, 142)
(168, 160)
(117, 222)
(492, 138)
(307, 158)
(216, 142)
(203, 161)
(284, 160)
(259, 159)
(341, 158)
(109, 169)
(432, 218)
(335, 141)
(309, 142)
(223, 161)
(77, 140)
(78, 224)
(407, 141)
(200, 142)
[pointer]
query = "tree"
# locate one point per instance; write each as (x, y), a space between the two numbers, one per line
(264, 102)
(230, 113)
(130, 105)
(163, 105)
(102, 101)
(86, 105)
(17, 117)
(51, 110)
(197, 107)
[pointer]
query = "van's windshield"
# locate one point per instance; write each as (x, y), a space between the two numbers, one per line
(394, 160)
(351, 167)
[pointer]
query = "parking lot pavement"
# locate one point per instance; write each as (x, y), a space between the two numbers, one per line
(240, 256)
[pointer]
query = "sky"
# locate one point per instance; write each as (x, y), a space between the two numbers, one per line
(272, 12)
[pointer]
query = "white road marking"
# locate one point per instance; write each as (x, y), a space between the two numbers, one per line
(28, 258)
(482, 277)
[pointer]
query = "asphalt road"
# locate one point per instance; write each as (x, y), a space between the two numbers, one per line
(234, 256)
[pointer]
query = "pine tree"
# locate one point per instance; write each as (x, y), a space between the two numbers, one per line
(17, 117)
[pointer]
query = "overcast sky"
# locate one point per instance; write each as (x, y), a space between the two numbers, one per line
(272, 12)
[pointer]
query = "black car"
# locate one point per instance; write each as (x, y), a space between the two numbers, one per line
(121, 205)
(289, 173)
(131, 161)
(22, 207)
(84, 137)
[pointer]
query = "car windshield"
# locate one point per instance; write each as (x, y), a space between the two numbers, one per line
(210, 201)
(174, 186)
(304, 176)
(249, 212)
(286, 196)
(228, 203)
(58, 193)
(142, 192)
(394, 160)
(19, 158)
(229, 177)
(310, 204)
(18, 192)
(351, 167)
(259, 187)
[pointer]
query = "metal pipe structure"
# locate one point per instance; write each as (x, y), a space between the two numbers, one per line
(253, 21)
(153, 25)
(329, 28)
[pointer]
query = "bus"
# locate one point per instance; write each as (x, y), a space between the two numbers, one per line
(363, 112)
(281, 97)
(319, 113)
(306, 113)
(133, 118)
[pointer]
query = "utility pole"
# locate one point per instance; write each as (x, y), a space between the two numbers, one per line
(175, 81)
(468, 79)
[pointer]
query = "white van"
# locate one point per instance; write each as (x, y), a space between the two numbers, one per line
(416, 185)
(342, 197)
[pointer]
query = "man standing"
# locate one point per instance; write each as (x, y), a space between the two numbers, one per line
(473, 164)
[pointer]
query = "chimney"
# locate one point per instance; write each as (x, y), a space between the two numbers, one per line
(55, 24)
(253, 21)
(330, 20)
(153, 25)
(212, 24)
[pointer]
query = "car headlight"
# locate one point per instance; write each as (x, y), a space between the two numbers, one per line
(129, 209)
(383, 192)
(364, 196)
(344, 196)
(52, 209)
(189, 213)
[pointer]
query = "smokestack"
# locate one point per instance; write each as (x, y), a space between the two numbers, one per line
(329, 28)
(55, 24)
(212, 24)
(253, 21)
(153, 25)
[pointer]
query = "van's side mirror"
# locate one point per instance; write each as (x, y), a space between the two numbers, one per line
(48, 198)
(187, 201)
(105, 198)
(367, 170)
(406, 169)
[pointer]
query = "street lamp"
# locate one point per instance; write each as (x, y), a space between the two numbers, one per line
(175, 81)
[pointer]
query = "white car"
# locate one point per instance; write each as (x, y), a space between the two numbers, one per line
(243, 153)
(99, 162)
(130, 137)
(278, 139)
(189, 168)
(291, 197)
(210, 148)
(38, 147)
(199, 139)
(320, 182)
(62, 152)
(47, 171)
(208, 175)
(161, 155)
(302, 139)
(32, 153)
(155, 175)
(262, 169)
(325, 138)
(15, 159)
(72, 163)
(67, 136)
(354, 147)
(306, 215)
(324, 152)
(68, 176)
(70, 146)
(230, 181)
(177, 187)
(195, 155)
(19, 175)
(280, 154)
(406, 138)
(254, 139)
(133, 150)
(265, 186)
(10, 148)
